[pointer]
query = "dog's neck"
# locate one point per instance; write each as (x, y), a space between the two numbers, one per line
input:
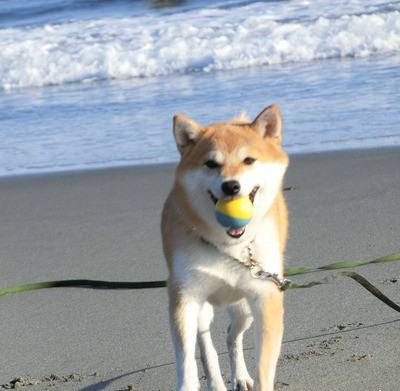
(246, 249)
(255, 268)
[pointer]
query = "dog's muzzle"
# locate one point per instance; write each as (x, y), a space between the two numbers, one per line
(234, 233)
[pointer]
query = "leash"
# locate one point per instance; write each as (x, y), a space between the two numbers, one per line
(356, 277)
(83, 284)
(353, 275)
(288, 272)
(341, 265)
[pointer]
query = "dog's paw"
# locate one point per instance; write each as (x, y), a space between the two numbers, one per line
(243, 384)
(216, 387)
(188, 387)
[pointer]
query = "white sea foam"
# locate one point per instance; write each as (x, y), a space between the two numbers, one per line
(203, 40)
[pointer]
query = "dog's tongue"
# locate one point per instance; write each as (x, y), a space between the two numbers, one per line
(236, 232)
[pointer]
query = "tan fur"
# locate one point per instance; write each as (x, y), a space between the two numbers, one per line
(272, 330)
(201, 254)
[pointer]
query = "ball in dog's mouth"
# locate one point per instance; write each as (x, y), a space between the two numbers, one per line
(234, 213)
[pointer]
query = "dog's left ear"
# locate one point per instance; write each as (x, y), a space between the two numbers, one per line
(186, 132)
(269, 123)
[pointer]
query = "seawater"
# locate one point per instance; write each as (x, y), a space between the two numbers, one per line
(95, 84)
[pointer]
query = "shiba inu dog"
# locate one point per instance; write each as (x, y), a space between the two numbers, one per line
(209, 264)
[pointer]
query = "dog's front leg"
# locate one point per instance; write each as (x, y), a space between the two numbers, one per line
(209, 355)
(268, 323)
(184, 313)
(241, 320)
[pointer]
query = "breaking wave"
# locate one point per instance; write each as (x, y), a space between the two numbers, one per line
(78, 51)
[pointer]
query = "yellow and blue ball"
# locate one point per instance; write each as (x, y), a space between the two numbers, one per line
(234, 213)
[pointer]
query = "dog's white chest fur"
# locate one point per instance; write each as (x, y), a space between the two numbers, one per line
(220, 274)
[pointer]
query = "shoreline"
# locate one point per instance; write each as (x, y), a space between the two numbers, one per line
(104, 224)
(95, 168)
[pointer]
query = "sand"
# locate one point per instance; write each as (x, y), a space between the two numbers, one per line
(104, 224)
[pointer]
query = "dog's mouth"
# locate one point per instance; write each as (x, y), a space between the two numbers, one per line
(253, 193)
(236, 233)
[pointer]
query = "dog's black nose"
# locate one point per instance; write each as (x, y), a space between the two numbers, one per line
(230, 187)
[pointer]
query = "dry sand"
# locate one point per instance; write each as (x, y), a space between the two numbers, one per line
(105, 225)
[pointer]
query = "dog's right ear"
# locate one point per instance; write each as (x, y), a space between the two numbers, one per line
(186, 132)
(269, 123)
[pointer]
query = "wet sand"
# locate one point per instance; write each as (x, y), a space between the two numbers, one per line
(104, 224)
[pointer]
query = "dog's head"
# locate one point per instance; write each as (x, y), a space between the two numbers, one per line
(230, 160)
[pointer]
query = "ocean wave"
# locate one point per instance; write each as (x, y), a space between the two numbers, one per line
(118, 48)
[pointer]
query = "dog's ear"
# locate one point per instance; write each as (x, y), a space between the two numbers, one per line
(186, 132)
(269, 123)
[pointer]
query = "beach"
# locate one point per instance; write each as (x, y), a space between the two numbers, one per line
(104, 224)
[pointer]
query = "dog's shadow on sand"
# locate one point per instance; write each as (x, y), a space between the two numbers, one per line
(101, 385)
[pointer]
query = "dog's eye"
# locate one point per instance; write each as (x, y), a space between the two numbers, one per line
(212, 164)
(249, 161)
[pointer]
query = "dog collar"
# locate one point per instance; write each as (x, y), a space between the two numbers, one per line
(255, 268)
